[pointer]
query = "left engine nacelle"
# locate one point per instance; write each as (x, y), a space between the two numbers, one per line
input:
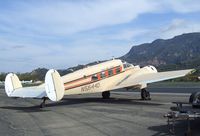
(151, 69)
(54, 85)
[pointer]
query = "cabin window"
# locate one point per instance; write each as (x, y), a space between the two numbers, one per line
(94, 77)
(110, 72)
(103, 75)
(118, 70)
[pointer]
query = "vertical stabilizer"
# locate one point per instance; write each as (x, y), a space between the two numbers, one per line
(12, 83)
(54, 85)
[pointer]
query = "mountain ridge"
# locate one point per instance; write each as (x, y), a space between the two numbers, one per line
(179, 52)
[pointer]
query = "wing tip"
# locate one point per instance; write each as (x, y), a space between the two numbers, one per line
(191, 71)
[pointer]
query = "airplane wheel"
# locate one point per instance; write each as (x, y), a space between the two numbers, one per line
(106, 95)
(145, 95)
(192, 97)
(42, 105)
(195, 99)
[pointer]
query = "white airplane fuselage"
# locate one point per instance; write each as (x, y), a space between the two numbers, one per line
(102, 77)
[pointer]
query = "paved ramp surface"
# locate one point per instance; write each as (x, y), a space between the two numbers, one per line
(89, 115)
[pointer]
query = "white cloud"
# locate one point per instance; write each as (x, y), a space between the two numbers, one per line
(179, 26)
(184, 6)
(30, 30)
(65, 17)
(173, 28)
(127, 34)
(25, 57)
(61, 18)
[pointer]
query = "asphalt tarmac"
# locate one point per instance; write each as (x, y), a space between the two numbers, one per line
(90, 115)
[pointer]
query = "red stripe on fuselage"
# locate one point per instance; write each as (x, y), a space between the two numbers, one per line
(88, 82)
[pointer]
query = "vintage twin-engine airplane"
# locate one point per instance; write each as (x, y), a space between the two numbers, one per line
(102, 77)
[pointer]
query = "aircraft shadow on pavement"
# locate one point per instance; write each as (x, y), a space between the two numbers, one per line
(77, 101)
(25, 109)
(74, 101)
(180, 129)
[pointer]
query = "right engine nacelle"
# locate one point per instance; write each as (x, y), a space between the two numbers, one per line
(150, 68)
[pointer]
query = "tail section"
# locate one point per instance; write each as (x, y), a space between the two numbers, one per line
(12, 83)
(54, 85)
(13, 88)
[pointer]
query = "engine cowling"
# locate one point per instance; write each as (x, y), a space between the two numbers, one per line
(151, 69)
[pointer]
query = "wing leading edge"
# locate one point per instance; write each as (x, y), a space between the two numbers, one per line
(152, 77)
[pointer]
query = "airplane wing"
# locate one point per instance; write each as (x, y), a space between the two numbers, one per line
(53, 87)
(132, 80)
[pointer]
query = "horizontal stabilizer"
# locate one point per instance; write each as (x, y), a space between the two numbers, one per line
(53, 87)
(29, 92)
(14, 88)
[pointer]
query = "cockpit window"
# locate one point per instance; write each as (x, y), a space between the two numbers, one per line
(126, 65)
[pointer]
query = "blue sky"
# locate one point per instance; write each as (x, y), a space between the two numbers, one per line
(63, 33)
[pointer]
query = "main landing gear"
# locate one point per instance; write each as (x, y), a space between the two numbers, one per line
(145, 95)
(42, 105)
(106, 95)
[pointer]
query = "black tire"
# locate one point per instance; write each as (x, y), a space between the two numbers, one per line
(148, 96)
(145, 95)
(106, 95)
(192, 97)
(195, 99)
(42, 105)
(188, 133)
